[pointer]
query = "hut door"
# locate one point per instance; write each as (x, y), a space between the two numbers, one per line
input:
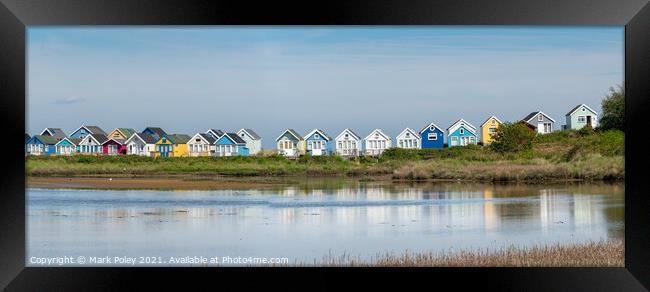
(589, 121)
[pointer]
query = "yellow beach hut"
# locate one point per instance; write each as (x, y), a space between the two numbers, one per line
(121, 133)
(172, 146)
(489, 128)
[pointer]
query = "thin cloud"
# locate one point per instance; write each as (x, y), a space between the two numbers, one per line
(70, 100)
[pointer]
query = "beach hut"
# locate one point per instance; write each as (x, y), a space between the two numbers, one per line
(489, 128)
(543, 123)
(253, 140)
(230, 144)
(54, 132)
(461, 133)
(141, 144)
(84, 131)
(172, 146)
(431, 136)
(41, 145)
(155, 132)
(92, 144)
(67, 146)
(580, 116)
(215, 133)
(290, 143)
(348, 144)
(376, 143)
(121, 133)
(114, 146)
(317, 143)
(201, 144)
(408, 139)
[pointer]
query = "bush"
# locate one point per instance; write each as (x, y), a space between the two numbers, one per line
(512, 138)
(585, 131)
(401, 154)
(613, 110)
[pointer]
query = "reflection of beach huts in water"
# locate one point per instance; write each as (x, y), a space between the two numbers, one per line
(552, 209)
(581, 116)
(461, 133)
(408, 139)
(290, 143)
(376, 143)
(584, 210)
(378, 214)
(432, 136)
(490, 215)
(348, 144)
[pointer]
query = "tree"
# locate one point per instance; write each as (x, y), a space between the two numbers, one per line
(513, 137)
(613, 110)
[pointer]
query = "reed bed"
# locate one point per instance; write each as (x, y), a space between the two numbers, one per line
(606, 253)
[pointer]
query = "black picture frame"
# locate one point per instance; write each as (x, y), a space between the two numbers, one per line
(16, 15)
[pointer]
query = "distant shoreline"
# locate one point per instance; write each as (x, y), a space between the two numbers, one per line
(202, 182)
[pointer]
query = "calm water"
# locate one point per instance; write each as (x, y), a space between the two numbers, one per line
(311, 220)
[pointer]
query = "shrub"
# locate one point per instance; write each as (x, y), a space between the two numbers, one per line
(614, 110)
(512, 138)
(585, 131)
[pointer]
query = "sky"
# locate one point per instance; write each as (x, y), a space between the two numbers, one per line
(189, 79)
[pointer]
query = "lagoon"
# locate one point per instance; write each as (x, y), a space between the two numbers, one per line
(316, 218)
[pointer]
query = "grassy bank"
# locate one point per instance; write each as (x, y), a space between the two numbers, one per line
(592, 254)
(557, 156)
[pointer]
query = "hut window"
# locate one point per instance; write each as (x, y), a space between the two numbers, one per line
(431, 128)
(540, 117)
(316, 136)
(432, 136)
(581, 119)
(462, 131)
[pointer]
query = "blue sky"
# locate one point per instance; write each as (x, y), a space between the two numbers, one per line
(188, 79)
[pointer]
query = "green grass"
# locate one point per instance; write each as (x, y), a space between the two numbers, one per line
(562, 155)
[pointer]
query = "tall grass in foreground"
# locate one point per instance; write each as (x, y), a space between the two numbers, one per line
(609, 253)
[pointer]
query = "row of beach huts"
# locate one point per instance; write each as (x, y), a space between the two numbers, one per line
(155, 142)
